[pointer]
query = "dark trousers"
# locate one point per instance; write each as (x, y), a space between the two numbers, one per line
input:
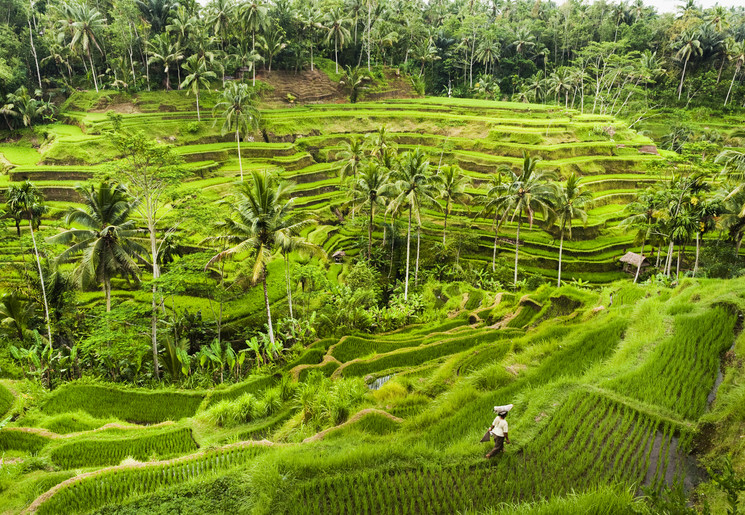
(498, 446)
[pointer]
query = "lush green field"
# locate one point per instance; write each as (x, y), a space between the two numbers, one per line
(605, 398)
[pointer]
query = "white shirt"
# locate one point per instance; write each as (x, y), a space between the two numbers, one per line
(500, 426)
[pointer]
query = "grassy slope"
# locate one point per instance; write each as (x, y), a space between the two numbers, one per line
(570, 358)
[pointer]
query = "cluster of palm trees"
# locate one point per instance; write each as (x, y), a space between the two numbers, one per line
(608, 51)
(23, 109)
(379, 179)
(682, 210)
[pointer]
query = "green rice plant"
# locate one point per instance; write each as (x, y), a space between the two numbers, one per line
(97, 452)
(326, 370)
(414, 357)
(74, 422)
(245, 408)
(681, 371)
(125, 404)
(116, 484)
(313, 356)
(18, 440)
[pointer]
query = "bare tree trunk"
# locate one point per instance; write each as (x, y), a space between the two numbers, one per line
(682, 78)
(253, 49)
(336, 53)
(698, 248)
(240, 163)
(43, 287)
(408, 254)
(107, 292)
(289, 284)
(369, 232)
(93, 71)
(199, 118)
(416, 267)
(393, 245)
(517, 245)
(561, 249)
(677, 268)
(268, 311)
(494, 253)
(638, 268)
(659, 253)
(445, 226)
(737, 69)
(33, 47)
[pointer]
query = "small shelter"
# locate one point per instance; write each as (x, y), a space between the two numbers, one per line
(339, 256)
(631, 262)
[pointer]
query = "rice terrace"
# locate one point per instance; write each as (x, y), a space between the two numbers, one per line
(372, 256)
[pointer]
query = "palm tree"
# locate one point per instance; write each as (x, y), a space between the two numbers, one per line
(488, 53)
(494, 206)
(352, 80)
(84, 23)
(561, 81)
(379, 142)
(706, 210)
(412, 187)
(371, 189)
(451, 186)
(239, 113)
(736, 53)
(350, 156)
(523, 40)
(309, 17)
(643, 212)
(199, 77)
(221, 19)
(16, 314)
(335, 23)
(107, 239)
(166, 52)
(568, 206)
(288, 242)
(263, 222)
(525, 193)
(255, 17)
(688, 46)
(26, 201)
(273, 42)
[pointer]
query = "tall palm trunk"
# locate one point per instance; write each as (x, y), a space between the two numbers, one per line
(682, 78)
(199, 118)
(107, 292)
(494, 252)
(445, 226)
(33, 49)
(517, 245)
(93, 70)
(677, 268)
(43, 287)
(266, 302)
(336, 52)
(369, 28)
(253, 49)
(561, 249)
(737, 69)
(289, 284)
(408, 254)
(240, 163)
(154, 304)
(698, 248)
(639, 267)
(416, 267)
(369, 231)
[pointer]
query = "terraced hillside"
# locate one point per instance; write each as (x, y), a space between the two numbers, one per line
(302, 144)
(609, 400)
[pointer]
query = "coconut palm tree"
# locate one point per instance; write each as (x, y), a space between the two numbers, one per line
(199, 77)
(263, 222)
(371, 189)
(350, 156)
(736, 53)
(412, 187)
(567, 207)
(309, 17)
(85, 23)
(688, 45)
(494, 207)
(255, 17)
(560, 82)
(239, 113)
(107, 242)
(16, 314)
(379, 142)
(642, 214)
(221, 18)
(335, 22)
(352, 81)
(272, 43)
(165, 52)
(26, 201)
(450, 185)
(526, 192)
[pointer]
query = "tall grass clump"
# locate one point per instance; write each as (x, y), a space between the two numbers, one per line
(6, 400)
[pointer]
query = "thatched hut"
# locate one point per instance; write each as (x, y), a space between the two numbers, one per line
(631, 262)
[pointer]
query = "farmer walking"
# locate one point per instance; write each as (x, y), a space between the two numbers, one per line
(498, 429)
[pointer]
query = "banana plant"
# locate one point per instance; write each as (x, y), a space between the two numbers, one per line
(254, 345)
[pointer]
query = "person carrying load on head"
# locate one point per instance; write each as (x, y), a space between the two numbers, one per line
(499, 430)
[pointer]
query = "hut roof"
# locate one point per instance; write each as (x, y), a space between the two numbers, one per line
(633, 259)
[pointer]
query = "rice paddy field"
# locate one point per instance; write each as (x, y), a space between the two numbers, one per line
(610, 401)
(624, 394)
